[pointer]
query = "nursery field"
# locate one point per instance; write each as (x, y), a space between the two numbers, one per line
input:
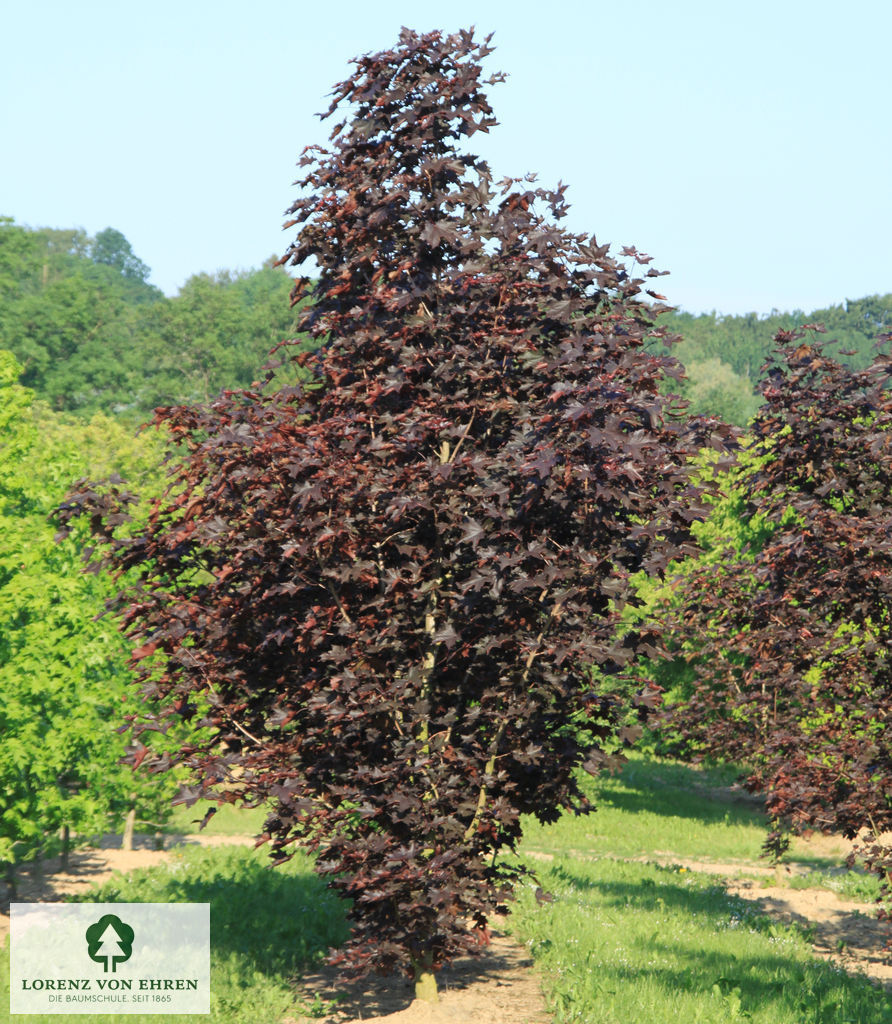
(464, 533)
(658, 914)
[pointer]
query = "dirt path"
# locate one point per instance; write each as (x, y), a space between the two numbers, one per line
(93, 866)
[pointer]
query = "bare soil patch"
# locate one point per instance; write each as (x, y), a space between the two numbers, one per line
(500, 986)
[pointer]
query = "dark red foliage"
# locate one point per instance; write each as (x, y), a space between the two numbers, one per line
(389, 585)
(794, 676)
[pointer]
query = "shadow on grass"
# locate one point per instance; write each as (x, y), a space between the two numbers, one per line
(678, 791)
(278, 921)
(823, 863)
(775, 987)
(646, 893)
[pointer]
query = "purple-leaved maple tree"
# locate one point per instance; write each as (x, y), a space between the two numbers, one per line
(395, 587)
(791, 645)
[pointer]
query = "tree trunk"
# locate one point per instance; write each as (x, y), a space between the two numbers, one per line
(425, 979)
(129, 825)
(12, 889)
(66, 845)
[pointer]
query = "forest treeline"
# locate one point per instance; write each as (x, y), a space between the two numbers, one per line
(723, 355)
(94, 336)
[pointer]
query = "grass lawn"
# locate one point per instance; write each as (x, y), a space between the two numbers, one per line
(629, 942)
(656, 806)
(624, 943)
(228, 820)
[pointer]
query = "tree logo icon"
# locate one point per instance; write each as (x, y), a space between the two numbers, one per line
(109, 942)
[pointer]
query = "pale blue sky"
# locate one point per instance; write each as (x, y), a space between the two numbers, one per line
(746, 147)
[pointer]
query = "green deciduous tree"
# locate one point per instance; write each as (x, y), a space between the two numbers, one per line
(112, 249)
(714, 389)
(63, 675)
(217, 333)
(75, 324)
(93, 336)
